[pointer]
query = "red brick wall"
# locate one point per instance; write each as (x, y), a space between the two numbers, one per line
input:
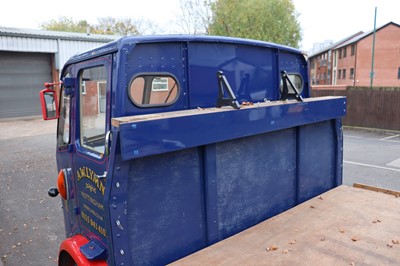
(346, 63)
(387, 58)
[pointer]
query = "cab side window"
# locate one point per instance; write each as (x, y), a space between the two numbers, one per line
(93, 84)
(63, 134)
(153, 90)
(296, 80)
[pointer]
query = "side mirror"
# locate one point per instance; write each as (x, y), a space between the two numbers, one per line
(48, 99)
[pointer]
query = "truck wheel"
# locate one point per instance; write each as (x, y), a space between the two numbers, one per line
(65, 259)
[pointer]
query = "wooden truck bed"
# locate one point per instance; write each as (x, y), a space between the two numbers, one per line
(344, 226)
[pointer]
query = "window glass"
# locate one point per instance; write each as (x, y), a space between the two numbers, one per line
(93, 84)
(153, 90)
(63, 122)
(296, 80)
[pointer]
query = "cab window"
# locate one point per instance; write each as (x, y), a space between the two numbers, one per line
(63, 135)
(296, 80)
(153, 90)
(93, 84)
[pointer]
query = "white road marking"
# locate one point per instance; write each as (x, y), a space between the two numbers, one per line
(354, 137)
(395, 163)
(373, 166)
(390, 137)
(387, 139)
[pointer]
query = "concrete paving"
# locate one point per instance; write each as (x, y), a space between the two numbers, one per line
(10, 129)
(31, 223)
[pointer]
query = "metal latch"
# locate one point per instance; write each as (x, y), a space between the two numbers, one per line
(93, 251)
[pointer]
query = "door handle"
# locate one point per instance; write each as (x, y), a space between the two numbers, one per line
(107, 143)
(103, 175)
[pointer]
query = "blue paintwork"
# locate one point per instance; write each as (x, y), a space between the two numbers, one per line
(177, 185)
(170, 134)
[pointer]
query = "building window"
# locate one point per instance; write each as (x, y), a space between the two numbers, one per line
(351, 73)
(334, 59)
(344, 74)
(340, 53)
(398, 73)
(353, 49)
(344, 52)
(340, 74)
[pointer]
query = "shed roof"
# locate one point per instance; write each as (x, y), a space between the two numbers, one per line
(44, 34)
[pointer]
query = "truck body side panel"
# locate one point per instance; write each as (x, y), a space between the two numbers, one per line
(187, 198)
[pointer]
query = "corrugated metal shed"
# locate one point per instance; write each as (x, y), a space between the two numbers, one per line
(62, 44)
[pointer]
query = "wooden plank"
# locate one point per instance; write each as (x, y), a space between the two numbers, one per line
(344, 226)
(377, 189)
(137, 118)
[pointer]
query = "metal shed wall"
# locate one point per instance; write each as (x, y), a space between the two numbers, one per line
(68, 48)
(63, 49)
(28, 58)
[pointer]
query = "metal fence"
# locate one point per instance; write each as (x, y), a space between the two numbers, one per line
(378, 107)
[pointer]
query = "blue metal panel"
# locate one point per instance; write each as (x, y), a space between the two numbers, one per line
(248, 70)
(317, 153)
(295, 63)
(255, 179)
(140, 59)
(165, 207)
(148, 137)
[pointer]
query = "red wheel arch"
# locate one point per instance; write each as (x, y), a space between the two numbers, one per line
(72, 247)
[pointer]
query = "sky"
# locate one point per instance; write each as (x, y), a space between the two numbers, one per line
(320, 20)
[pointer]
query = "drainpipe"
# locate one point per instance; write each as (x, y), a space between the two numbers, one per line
(373, 51)
(355, 66)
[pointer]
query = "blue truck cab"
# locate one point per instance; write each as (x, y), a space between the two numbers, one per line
(169, 144)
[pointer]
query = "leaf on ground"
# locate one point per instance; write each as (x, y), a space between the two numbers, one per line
(312, 207)
(321, 198)
(272, 248)
(354, 238)
(376, 221)
(396, 242)
(341, 230)
(293, 242)
(285, 251)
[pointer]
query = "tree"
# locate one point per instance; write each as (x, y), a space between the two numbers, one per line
(110, 25)
(195, 16)
(107, 25)
(267, 20)
(66, 24)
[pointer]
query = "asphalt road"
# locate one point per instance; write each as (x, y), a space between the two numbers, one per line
(372, 158)
(31, 223)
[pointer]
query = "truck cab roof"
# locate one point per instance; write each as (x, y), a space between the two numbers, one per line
(131, 40)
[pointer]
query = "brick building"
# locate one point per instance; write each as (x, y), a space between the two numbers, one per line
(349, 61)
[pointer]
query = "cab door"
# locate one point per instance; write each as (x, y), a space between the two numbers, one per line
(93, 80)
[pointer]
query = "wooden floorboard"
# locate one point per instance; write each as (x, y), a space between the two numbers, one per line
(345, 226)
